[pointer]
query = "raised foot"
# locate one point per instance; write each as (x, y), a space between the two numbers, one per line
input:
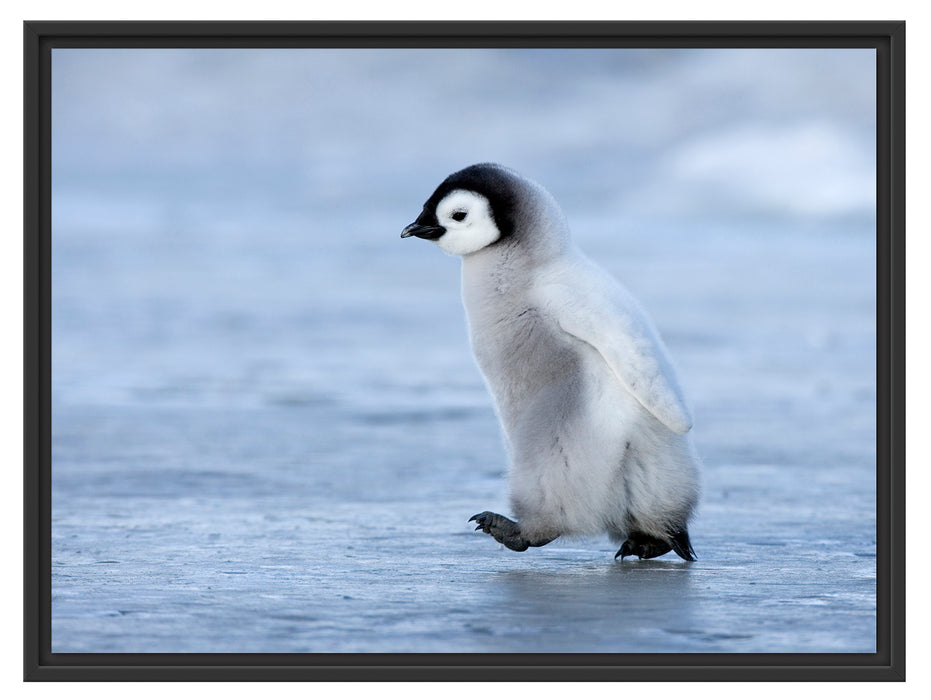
(647, 547)
(505, 531)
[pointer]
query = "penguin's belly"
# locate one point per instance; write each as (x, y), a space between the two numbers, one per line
(566, 419)
(522, 357)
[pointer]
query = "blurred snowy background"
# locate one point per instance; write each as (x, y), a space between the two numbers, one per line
(268, 430)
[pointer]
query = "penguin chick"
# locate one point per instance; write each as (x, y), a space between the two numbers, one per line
(596, 426)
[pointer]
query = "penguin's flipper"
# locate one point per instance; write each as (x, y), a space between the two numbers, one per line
(606, 317)
(505, 531)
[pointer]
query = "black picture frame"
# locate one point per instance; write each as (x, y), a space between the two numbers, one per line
(887, 664)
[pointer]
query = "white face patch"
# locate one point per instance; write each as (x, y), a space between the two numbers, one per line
(468, 221)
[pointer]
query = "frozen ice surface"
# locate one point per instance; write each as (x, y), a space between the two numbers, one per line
(269, 433)
(198, 537)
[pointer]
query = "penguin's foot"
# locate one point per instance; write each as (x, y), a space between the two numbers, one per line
(505, 531)
(647, 547)
(643, 545)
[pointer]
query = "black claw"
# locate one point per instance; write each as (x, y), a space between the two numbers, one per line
(682, 546)
(625, 551)
(482, 520)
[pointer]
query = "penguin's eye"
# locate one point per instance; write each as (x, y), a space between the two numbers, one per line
(459, 215)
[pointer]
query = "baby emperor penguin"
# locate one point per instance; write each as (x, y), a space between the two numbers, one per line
(594, 420)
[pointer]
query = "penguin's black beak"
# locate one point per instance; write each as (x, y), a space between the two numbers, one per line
(428, 232)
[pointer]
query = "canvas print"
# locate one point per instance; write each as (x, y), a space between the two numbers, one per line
(463, 351)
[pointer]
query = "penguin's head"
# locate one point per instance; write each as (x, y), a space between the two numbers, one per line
(470, 210)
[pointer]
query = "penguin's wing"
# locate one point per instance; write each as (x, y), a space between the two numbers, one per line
(608, 318)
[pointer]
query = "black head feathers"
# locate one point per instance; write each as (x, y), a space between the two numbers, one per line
(494, 182)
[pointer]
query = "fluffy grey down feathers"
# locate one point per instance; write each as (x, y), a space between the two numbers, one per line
(596, 426)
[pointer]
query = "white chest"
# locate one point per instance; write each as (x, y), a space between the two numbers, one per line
(518, 348)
